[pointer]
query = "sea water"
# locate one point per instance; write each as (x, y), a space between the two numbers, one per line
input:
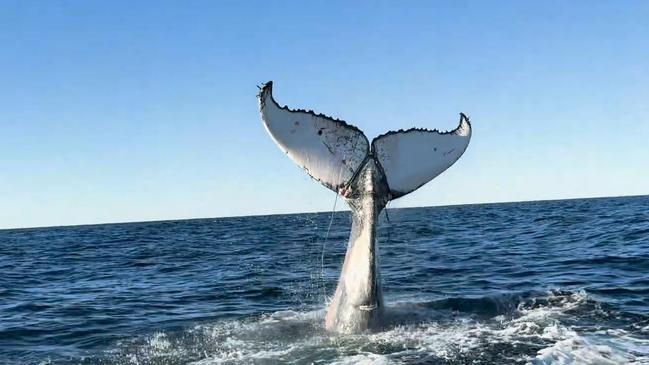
(555, 282)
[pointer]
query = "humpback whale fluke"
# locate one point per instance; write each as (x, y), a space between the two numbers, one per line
(340, 157)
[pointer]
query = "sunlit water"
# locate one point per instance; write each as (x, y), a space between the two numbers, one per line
(562, 282)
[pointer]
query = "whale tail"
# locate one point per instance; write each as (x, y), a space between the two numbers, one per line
(368, 176)
(333, 151)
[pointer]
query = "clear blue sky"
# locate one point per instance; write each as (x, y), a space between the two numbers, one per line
(114, 111)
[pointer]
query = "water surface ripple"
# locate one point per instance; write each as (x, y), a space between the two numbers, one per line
(552, 282)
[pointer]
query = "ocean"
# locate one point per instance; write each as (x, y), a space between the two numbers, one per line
(549, 282)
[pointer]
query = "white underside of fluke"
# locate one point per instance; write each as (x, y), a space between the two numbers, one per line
(328, 149)
(414, 157)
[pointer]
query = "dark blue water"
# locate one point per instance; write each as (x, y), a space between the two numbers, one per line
(539, 282)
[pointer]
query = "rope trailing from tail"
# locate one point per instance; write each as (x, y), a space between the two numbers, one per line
(324, 245)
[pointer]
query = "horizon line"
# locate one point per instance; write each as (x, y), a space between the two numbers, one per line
(318, 212)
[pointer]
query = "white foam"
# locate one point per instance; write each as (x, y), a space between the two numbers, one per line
(569, 347)
(363, 359)
(159, 342)
(577, 350)
(299, 337)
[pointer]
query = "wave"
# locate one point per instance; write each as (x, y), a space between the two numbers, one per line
(527, 328)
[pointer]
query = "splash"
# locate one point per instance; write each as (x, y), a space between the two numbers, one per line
(536, 330)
